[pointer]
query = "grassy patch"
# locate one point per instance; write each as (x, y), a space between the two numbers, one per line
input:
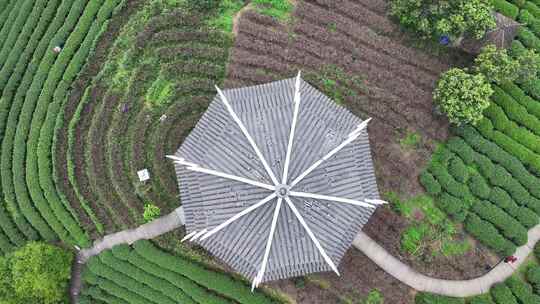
(279, 9)
(430, 232)
(223, 19)
(411, 141)
(335, 83)
(160, 92)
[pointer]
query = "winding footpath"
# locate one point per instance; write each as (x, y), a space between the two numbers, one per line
(363, 242)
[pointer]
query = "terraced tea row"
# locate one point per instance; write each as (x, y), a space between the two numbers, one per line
(488, 177)
(145, 274)
(34, 82)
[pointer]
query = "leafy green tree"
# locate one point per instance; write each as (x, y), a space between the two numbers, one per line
(151, 212)
(452, 18)
(529, 62)
(497, 65)
(462, 96)
(36, 273)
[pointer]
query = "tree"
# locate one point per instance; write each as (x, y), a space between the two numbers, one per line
(36, 273)
(529, 62)
(433, 19)
(462, 96)
(498, 66)
(151, 212)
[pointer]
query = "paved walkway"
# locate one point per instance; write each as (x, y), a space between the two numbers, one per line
(364, 243)
(148, 231)
(418, 281)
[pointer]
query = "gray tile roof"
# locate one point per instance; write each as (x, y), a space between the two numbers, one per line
(218, 143)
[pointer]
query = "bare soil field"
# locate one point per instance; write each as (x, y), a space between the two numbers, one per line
(357, 39)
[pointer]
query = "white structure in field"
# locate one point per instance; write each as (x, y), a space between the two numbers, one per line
(267, 166)
(143, 175)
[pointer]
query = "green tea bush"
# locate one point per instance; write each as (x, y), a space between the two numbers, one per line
(453, 18)
(532, 22)
(533, 277)
(462, 96)
(522, 291)
(529, 39)
(144, 291)
(182, 293)
(503, 200)
(453, 206)
(506, 8)
(478, 186)
(430, 183)
(461, 148)
(508, 226)
(486, 233)
(446, 180)
(429, 298)
(532, 88)
(516, 111)
(531, 105)
(218, 282)
(458, 169)
(501, 294)
(532, 8)
(482, 299)
(509, 162)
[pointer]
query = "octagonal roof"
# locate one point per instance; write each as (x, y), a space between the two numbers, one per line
(276, 180)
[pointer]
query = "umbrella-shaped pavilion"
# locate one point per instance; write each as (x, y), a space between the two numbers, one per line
(276, 180)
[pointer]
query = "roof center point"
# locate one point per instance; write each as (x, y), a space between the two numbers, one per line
(282, 191)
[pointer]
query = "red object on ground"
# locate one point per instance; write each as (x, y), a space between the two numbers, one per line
(510, 259)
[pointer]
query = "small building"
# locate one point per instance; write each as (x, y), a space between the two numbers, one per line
(276, 180)
(501, 36)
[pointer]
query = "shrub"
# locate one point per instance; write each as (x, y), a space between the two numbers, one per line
(533, 277)
(461, 148)
(429, 298)
(501, 294)
(482, 299)
(532, 8)
(516, 111)
(374, 297)
(151, 212)
(121, 251)
(219, 282)
(486, 233)
(203, 5)
(478, 186)
(506, 8)
(509, 227)
(453, 206)
(36, 273)
(532, 88)
(446, 180)
(452, 18)
(532, 22)
(430, 183)
(462, 96)
(528, 39)
(522, 291)
(458, 170)
(496, 65)
(532, 106)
